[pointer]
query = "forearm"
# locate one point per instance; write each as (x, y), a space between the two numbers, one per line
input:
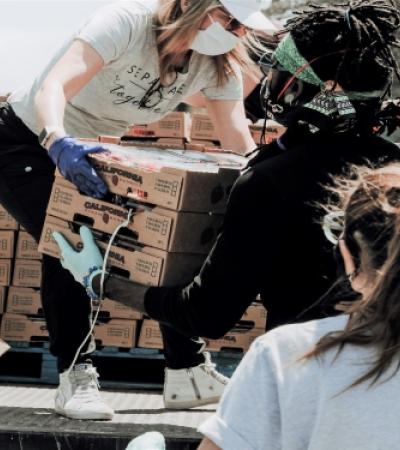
(187, 308)
(216, 298)
(123, 290)
(133, 295)
(50, 105)
(72, 72)
(232, 127)
(240, 142)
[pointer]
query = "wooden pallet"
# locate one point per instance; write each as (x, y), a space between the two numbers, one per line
(136, 368)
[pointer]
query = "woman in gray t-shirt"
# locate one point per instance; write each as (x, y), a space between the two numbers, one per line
(132, 62)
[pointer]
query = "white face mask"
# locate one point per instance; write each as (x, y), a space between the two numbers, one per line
(215, 40)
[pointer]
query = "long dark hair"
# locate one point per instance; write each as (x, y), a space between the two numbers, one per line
(370, 200)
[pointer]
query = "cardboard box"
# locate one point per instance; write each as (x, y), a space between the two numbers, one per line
(162, 143)
(4, 347)
(7, 240)
(150, 335)
(273, 131)
(174, 125)
(116, 333)
(159, 143)
(176, 179)
(199, 147)
(27, 273)
(3, 296)
(19, 327)
(255, 317)
(203, 128)
(109, 139)
(206, 144)
(5, 271)
(116, 310)
(7, 221)
(158, 227)
(24, 301)
(145, 265)
(178, 143)
(238, 340)
(27, 247)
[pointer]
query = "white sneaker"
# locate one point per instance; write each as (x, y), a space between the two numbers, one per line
(196, 386)
(78, 396)
(152, 440)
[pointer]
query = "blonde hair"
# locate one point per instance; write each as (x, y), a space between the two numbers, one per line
(177, 29)
(370, 201)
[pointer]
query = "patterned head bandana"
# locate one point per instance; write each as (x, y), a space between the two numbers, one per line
(292, 61)
(329, 109)
(290, 58)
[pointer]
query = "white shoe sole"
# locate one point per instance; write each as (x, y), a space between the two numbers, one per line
(172, 404)
(83, 415)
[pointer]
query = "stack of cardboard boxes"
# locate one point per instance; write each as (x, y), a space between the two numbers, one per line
(173, 130)
(203, 133)
(177, 199)
(251, 326)
(8, 230)
(23, 315)
(188, 131)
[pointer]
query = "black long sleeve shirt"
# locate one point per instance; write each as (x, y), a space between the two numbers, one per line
(271, 242)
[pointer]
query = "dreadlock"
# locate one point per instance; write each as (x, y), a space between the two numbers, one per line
(352, 42)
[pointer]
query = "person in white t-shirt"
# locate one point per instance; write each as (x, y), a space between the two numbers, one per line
(132, 62)
(332, 383)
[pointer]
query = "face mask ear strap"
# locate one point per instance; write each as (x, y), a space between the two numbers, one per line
(294, 76)
(302, 68)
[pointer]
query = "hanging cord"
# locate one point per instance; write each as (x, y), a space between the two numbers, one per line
(264, 127)
(103, 273)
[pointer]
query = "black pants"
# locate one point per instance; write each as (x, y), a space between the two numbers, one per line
(26, 177)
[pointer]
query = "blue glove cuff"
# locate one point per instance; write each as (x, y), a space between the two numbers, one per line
(57, 148)
(88, 279)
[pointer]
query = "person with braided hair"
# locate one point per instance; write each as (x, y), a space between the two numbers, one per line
(326, 80)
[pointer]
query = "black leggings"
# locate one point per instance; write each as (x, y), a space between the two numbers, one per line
(26, 178)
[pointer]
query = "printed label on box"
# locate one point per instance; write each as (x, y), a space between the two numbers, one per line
(6, 244)
(150, 335)
(27, 247)
(5, 272)
(27, 273)
(24, 301)
(7, 221)
(19, 327)
(116, 333)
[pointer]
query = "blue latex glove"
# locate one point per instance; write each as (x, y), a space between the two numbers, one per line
(83, 265)
(148, 441)
(69, 155)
